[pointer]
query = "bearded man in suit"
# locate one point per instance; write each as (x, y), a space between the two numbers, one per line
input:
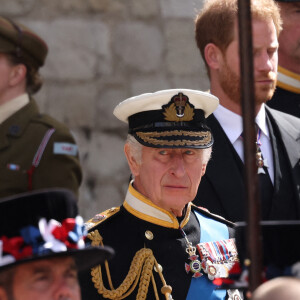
(222, 189)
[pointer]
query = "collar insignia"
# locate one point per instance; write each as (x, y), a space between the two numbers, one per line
(179, 109)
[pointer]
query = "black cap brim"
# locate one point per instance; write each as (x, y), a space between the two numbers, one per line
(85, 259)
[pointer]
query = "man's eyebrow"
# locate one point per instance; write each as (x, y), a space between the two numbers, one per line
(40, 269)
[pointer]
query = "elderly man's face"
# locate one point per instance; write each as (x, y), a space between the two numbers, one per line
(169, 177)
(48, 279)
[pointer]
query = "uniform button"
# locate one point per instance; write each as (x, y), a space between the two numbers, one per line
(149, 235)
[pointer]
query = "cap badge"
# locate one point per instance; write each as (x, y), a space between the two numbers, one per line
(179, 109)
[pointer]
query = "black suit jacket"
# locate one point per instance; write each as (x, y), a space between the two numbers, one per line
(222, 188)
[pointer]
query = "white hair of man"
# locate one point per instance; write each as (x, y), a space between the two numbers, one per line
(136, 150)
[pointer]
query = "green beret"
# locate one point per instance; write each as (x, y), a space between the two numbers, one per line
(17, 39)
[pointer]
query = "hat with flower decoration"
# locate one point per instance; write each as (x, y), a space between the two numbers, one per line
(44, 224)
(174, 118)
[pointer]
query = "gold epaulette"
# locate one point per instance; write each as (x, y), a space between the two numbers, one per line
(99, 218)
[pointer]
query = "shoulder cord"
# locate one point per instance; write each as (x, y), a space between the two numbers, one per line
(141, 268)
(38, 155)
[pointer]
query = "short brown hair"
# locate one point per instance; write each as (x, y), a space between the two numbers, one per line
(215, 22)
(33, 78)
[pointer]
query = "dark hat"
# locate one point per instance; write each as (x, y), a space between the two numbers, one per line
(17, 39)
(172, 118)
(44, 224)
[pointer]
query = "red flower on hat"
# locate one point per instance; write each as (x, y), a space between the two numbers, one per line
(61, 233)
(15, 247)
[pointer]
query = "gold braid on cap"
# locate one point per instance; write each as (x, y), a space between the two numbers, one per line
(151, 138)
(141, 269)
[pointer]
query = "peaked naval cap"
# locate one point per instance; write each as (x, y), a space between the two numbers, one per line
(172, 118)
(44, 224)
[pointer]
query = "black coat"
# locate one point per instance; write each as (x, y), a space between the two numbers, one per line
(222, 188)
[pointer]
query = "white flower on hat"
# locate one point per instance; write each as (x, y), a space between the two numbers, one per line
(46, 232)
(7, 259)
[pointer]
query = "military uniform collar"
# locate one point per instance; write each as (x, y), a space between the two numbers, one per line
(144, 209)
(12, 106)
(17, 123)
(288, 80)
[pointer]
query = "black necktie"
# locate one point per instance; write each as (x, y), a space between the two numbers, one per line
(265, 183)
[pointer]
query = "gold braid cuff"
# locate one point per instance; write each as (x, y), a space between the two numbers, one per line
(141, 269)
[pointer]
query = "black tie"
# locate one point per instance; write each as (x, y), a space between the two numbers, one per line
(265, 183)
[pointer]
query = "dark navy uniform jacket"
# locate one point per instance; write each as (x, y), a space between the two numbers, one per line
(139, 224)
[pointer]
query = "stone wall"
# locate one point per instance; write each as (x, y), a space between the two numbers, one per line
(102, 52)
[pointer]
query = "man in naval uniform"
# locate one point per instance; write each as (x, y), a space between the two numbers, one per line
(165, 246)
(36, 151)
(287, 94)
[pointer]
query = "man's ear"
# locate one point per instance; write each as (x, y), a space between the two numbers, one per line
(18, 74)
(3, 294)
(212, 55)
(133, 164)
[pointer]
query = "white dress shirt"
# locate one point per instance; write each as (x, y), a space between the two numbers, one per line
(232, 125)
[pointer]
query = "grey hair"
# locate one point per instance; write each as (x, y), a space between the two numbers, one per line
(207, 154)
(136, 150)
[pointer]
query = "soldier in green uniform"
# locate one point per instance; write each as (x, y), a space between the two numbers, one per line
(36, 151)
(165, 246)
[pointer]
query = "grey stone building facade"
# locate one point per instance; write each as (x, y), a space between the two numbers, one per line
(100, 53)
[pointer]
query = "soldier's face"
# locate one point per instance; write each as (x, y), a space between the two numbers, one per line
(169, 177)
(49, 279)
(6, 76)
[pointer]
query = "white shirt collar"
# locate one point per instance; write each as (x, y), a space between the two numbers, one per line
(232, 123)
(261, 121)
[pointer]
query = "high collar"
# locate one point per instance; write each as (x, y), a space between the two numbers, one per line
(288, 80)
(143, 208)
(16, 124)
